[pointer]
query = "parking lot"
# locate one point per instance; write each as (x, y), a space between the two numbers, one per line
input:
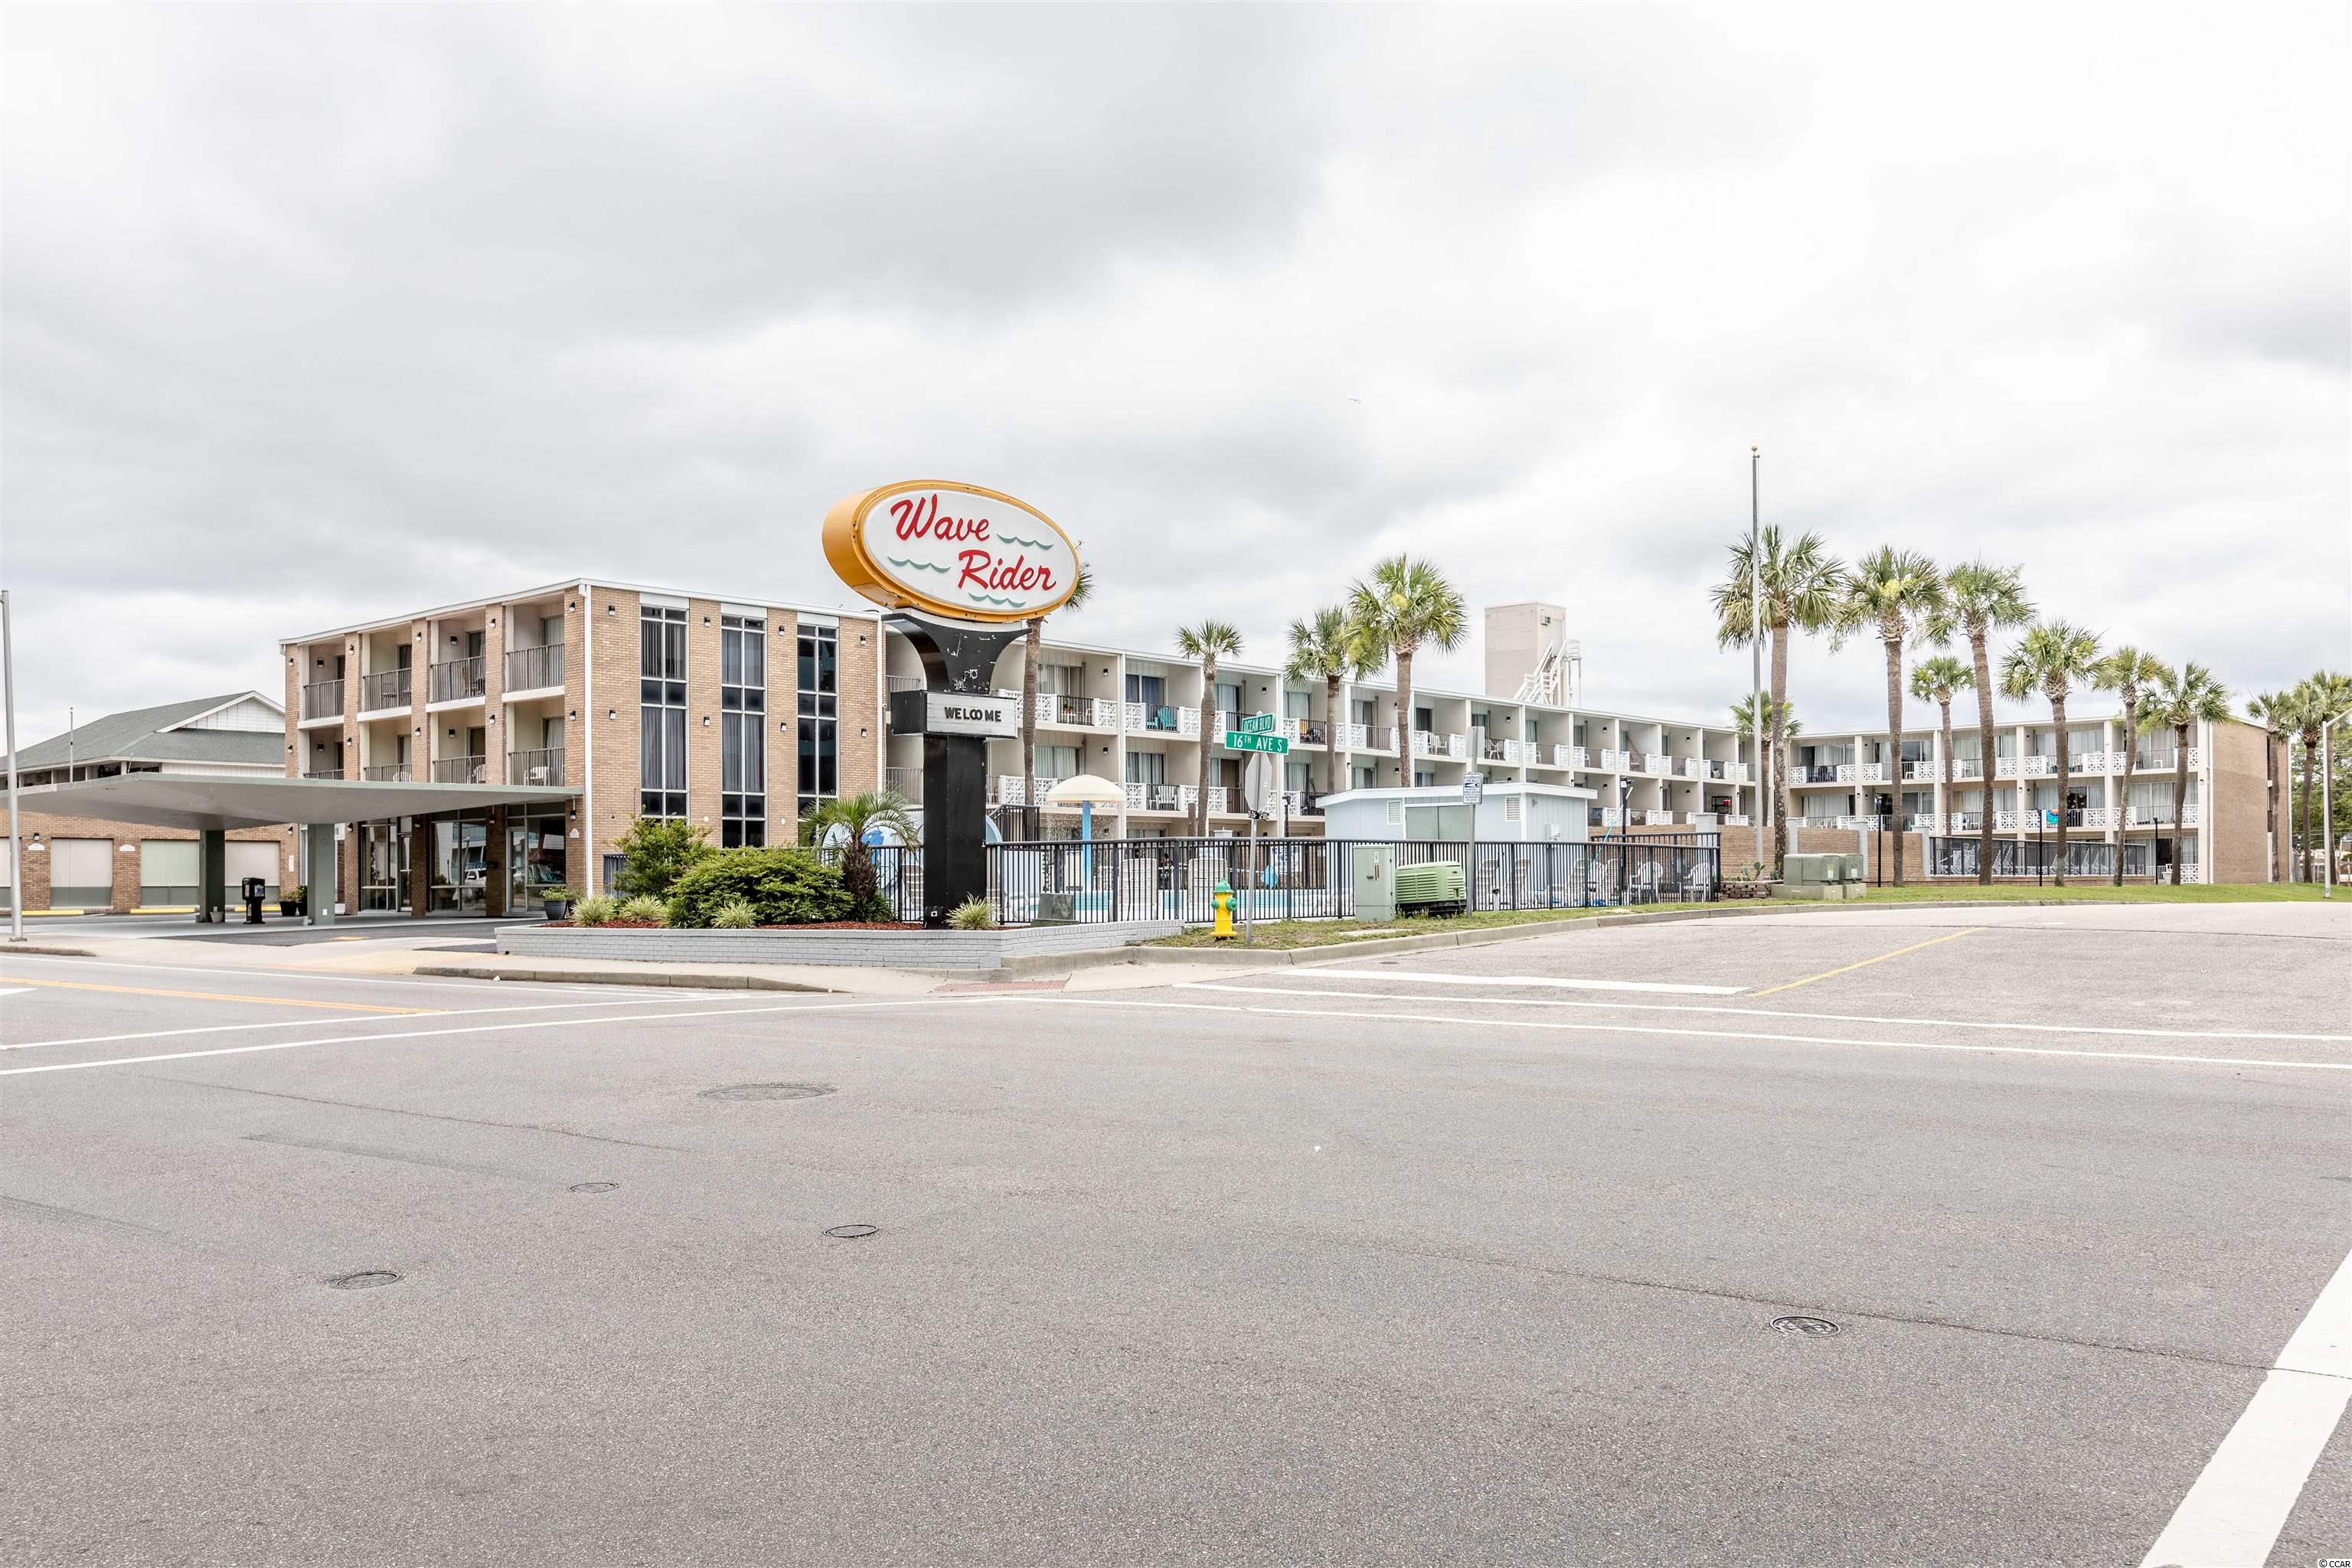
(1858, 1236)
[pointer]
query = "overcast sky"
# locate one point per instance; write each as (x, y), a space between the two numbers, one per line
(315, 314)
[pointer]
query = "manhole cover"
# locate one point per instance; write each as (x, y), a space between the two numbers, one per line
(768, 1091)
(594, 1187)
(854, 1232)
(366, 1280)
(1811, 1326)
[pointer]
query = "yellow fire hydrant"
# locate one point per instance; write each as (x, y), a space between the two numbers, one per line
(1223, 902)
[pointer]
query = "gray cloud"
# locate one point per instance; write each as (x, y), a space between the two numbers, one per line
(316, 313)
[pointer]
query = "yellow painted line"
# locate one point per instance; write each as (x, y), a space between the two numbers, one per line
(215, 996)
(1865, 963)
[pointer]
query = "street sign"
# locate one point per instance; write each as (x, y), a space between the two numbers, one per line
(1252, 741)
(1473, 786)
(1261, 782)
(1257, 723)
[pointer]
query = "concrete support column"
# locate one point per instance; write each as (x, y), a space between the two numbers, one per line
(495, 875)
(420, 868)
(212, 873)
(319, 872)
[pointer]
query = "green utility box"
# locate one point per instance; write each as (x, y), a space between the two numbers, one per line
(1832, 877)
(1433, 887)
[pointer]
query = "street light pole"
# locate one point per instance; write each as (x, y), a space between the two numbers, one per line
(1756, 642)
(15, 817)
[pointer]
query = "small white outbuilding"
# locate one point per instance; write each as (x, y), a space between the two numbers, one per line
(1507, 812)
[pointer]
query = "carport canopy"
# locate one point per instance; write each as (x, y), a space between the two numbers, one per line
(202, 803)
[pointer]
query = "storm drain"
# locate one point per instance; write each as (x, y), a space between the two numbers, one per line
(1811, 1327)
(854, 1232)
(366, 1280)
(768, 1091)
(594, 1187)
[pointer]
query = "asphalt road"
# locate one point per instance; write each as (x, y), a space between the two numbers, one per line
(1464, 1256)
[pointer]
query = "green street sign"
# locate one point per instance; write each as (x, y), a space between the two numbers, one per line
(1257, 723)
(1252, 741)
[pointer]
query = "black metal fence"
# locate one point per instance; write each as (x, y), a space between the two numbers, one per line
(1310, 878)
(2039, 856)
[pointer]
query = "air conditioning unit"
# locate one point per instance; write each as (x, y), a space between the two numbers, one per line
(1432, 886)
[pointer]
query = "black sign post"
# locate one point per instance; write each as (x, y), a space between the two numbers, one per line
(959, 657)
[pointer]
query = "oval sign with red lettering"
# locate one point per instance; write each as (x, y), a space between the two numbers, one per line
(955, 550)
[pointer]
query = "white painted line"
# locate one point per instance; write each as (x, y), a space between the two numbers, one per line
(319, 1023)
(494, 1028)
(1472, 1024)
(16, 991)
(339, 977)
(1775, 1012)
(2240, 1501)
(1433, 978)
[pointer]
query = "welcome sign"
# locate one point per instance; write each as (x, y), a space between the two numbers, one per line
(956, 550)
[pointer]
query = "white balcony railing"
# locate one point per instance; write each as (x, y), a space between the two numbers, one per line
(1216, 800)
(2039, 766)
(1612, 817)
(1700, 818)
(2101, 816)
(385, 772)
(1352, 737)
(541, 765)
(1736, 821)
(2007, 821)
(1845, 773)
(1966, 768)
(2002, 768)
(1426, 744)
(1694, 768)
(1923, 770)
(1614, 762)
(539, 669)
(906, 783)
(1658, 818)
(1870, 773)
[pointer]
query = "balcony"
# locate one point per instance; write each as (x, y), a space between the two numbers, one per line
(1964, 821)
(455, 680)
(1428, 743)
(537, 669)
(1819, 772)
(1312, 732)
(322, 773)
(1217, 806)
(1143, 796)
(1736, 821)
(386, 688)
(1185, 723)
(2162, 761)
(461, 770)
(2040, 767)
(542, 765)
(1081, 712)
(386, 773)
(1923, 770)
(1964, 768)
(1352, 737)
(1657, 819)
(322, 700)
(1570, 757)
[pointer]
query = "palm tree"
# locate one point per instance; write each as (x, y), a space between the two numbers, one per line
(2320, 699)
(1899, 594)
(2126, 672)
(2277, 713)
(1402, 605)
(1207, 642)
(1323, 647)
(2050, 659)
(1743, 717)
(1798, 585)
(1031, 651)
(2177, 702)
(1983, 599)
(855, 816)
(1935, 680)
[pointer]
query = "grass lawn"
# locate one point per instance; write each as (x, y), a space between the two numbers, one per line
(1278, 934)
(1341, 933)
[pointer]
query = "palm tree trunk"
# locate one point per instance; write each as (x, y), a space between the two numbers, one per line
(1330, 734)
(1945, 702)
(1208, 738)
(2058, 721)
(1782, 800)
(2310, 774)
(1894, 731)
(1031, 647)
(1984, 753)
(2179, 798)
(1404, 716)
(2123, 813)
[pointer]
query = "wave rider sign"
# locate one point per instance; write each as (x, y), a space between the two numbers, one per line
(957, 550)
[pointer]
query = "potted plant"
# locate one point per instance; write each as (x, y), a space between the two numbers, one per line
(556, 902)
(290, 901)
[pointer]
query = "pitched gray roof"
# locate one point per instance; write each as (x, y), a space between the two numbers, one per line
(145, 734)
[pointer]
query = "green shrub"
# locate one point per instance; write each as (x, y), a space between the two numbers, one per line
(785, 885)
(735, 914)
(660, 849)
(593, 912)
(973, 914)
(643, 907)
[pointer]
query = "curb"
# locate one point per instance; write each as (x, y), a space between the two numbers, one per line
(37, 950)
(698, 980)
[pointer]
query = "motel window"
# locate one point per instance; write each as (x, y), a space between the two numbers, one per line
(819, 704)
(742, 732)
(661, 695)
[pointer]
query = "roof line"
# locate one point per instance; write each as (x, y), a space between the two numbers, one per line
(570, 585)
(228, 703)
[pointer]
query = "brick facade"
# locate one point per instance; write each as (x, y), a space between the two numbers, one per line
(125, 868)
(861, 737)
(702, 778)
(612, 726)
(783, 775)
(2237, 805)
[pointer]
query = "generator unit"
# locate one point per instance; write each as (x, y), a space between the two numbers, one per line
(1433, 887)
